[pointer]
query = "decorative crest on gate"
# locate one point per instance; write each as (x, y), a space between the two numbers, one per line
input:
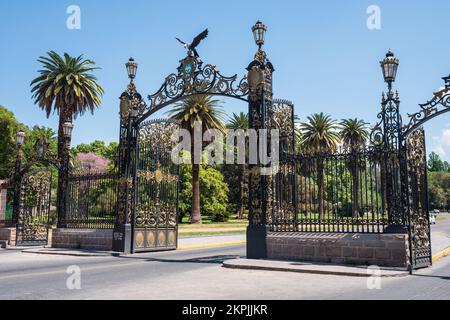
(194, 78)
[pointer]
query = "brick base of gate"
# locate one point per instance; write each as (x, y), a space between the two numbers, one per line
(8, 235)
(384, 250)
(88, 239)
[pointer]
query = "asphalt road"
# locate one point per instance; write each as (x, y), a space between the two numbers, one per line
(197, 274)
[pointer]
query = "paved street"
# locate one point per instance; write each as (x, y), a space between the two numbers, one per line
(196, 274)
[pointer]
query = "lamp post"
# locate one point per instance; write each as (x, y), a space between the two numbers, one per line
(259, 77)
(130, 101)
(393, 159)
(63, 176)
(20, 138)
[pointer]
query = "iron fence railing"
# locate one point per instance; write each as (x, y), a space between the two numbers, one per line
(91, 200)
(340, 192)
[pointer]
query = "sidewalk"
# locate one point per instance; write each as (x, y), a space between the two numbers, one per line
(440, 243)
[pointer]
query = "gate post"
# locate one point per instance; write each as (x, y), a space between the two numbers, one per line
(260, 99)
(122, 233)
(393, 162)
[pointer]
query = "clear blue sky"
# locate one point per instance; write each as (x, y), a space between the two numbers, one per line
(325, 57)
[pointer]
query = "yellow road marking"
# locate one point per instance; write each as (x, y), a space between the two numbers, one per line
(441, 254)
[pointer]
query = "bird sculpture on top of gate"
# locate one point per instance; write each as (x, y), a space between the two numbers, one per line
(191, 46)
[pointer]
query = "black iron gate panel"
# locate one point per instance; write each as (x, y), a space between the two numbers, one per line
(419, 220)
(34, 208)
(156, 189)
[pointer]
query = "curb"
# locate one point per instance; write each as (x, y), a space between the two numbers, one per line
(72, 253)
(393, 273)
(441, 254)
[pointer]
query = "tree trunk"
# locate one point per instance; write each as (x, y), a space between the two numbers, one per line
(195, 210)
(241, 192)
(321, 187)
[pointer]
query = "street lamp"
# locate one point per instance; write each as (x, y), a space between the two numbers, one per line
(20, 137)
(389, 65)
(131, 68)
(67, 129)
(259, 32)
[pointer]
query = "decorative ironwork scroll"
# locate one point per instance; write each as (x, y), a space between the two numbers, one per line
(193, 78)
(156, 188)
(437, 105)
(418, 200)
(387, 132)
(34, 208)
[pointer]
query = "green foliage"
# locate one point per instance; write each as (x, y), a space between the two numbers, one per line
(436, 164)
(201, 108)
(238, 121)
(354, 134)
(66, 82)
(8, 129)
(231, 175)
(319, 134)
(214, 193)
(439, 190)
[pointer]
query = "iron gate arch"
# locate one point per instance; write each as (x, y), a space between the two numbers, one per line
(34, 207)
(192, 79)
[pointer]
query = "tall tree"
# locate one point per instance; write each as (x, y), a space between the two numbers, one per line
(206, 112)
(240, 122)
(65, 85)
(354, 137)
(435, 163)
(319, 137)
(8, 129)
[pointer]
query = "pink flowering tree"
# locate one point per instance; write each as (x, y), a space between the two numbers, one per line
(91, 162)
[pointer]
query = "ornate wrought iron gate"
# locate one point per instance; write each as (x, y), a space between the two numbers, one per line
(156, 188)
(417, 200)
(34, 208)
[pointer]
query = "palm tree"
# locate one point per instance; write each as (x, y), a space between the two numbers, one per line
(204, 110)
(319, 137)
(65, 85)
(240, 122)
(354, 137)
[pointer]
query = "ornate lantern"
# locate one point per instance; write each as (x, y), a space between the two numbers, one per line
(131, 68)
(20, 138)
(389, 65)
(259, 32)
(67, 129)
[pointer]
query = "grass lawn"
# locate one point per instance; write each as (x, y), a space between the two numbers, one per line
(208, 223)
(209, 227)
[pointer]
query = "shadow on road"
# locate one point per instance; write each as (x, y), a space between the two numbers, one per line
(430, 276)
(219, 259)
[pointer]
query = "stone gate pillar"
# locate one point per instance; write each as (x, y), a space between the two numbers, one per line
(260, 191)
